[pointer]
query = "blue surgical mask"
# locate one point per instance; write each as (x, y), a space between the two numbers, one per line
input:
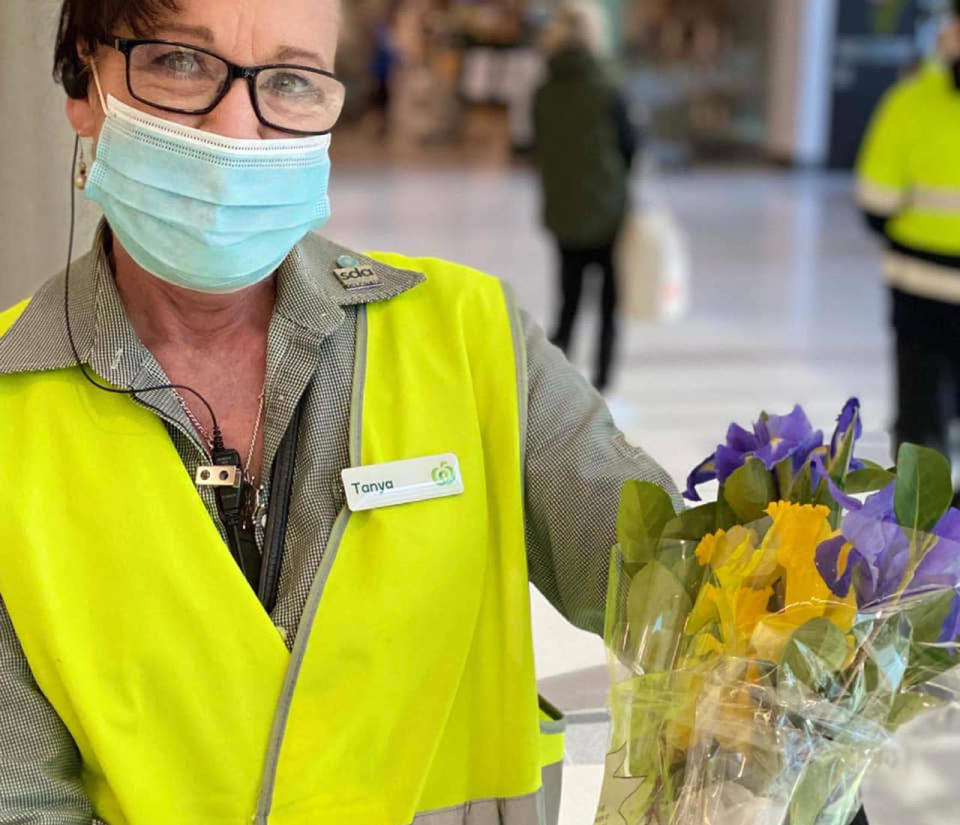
(201, 211)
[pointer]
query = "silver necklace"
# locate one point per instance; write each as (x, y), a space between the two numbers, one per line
(208, 441)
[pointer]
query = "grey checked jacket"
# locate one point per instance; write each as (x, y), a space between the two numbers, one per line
(575, 463)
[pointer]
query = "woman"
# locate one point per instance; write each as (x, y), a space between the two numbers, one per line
(223, 598)
(585, 145)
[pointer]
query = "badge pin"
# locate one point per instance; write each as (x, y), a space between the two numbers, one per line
(354, 275)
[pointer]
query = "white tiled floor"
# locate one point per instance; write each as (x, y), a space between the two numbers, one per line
(787, 306)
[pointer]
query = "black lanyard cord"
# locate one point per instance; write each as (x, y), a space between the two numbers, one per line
(230, 500)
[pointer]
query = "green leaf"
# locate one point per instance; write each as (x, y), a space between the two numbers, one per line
(827, 792)
(868, 480)
(785, 476)
(908, 706)
(811, 793)
(645, 509)
(761, 770)
(924, 487)
(926, 659)
(693, 524)
(657, 610)
(816, 653)
(749, 490)
(823, 497)
(928, 614)
(679, 556)
(726, 517)
(625, 791)
(637, 803)
(801, 492)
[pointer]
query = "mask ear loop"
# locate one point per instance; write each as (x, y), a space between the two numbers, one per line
(96, 80)
(80, 180)
(82, 172)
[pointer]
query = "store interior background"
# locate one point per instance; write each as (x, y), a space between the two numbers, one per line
(752, 112)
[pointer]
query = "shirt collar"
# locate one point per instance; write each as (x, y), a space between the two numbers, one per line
(309, 291)
(309, 295)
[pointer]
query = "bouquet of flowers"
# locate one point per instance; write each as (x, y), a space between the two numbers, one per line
(764, 646)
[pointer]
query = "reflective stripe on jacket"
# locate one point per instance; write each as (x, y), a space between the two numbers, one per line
(410, 694)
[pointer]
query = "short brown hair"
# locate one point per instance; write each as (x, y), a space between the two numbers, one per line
(84, 24)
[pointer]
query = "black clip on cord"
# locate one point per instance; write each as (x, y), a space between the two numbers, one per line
(230, 505)
(230, 499)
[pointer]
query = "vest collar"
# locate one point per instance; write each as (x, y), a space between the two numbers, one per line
(309, 295)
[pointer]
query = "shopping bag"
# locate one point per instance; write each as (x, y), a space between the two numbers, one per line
(653, 265)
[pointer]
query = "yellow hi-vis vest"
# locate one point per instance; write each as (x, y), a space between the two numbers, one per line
(909, 171)
(410, 693)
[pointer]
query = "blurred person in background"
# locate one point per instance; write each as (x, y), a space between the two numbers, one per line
(909, 190)
(586, 144)
(271, 506)
(383, 65)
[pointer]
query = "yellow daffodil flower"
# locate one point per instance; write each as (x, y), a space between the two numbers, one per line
(733, 616)
(796, 533)
(734, 604)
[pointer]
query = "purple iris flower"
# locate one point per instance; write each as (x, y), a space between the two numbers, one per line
(702, 473)
(850, 412)
(775, 438)
(733, 455)
(880, 555)
(880, 548)
(940, 569)
(818, 471)
(941, 566)
(828, 560)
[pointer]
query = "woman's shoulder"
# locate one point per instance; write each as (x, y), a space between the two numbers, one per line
(33, 334)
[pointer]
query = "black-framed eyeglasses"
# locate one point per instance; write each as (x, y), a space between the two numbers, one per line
(187, 80)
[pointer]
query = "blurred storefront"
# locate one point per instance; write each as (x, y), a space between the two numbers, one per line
(444, 56)
(697, 70)
(710, 80)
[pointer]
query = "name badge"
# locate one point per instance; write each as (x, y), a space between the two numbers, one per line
(402, 482)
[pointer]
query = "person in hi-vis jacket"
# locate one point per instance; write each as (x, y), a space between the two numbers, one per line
(909, 190)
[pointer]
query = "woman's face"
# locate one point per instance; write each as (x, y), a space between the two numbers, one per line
(246, 32)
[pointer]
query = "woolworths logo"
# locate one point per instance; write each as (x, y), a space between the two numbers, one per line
(444, 475)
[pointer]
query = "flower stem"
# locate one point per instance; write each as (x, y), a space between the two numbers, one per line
(862, 654)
